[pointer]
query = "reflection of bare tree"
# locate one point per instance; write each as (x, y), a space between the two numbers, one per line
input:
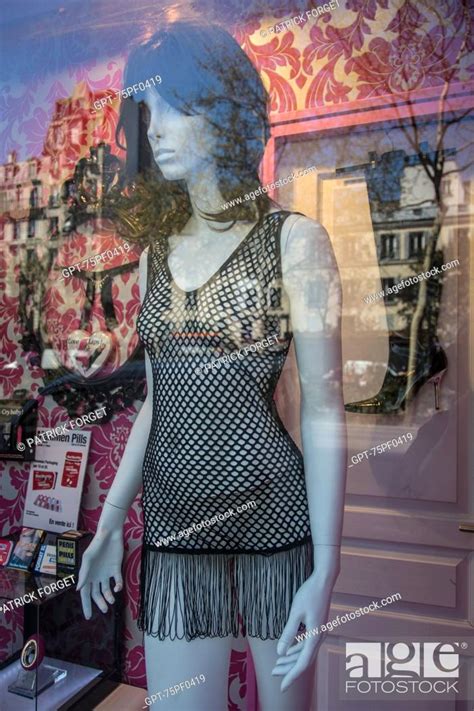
(435, 162)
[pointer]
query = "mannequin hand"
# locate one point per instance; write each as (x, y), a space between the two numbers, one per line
(311, 606)
(101, 561)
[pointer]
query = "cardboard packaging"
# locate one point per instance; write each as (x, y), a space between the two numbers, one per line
(70, 547)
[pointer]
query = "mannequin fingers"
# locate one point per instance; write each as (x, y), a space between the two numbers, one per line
(288, 634)
(118, 581)
(86, 601)
(304, 660)
(83, 573)
(295, 648)
(284, 664)
(303, 644)
(106, 591)
(283, 669)
(291, 655)
(97, 597)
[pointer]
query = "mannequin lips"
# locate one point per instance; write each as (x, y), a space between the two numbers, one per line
(164, 153)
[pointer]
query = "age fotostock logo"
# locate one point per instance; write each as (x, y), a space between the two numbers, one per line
(375, 669)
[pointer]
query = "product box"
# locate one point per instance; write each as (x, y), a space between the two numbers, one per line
(6, 547)
(46, 560)
(26, 549)
(70, 547)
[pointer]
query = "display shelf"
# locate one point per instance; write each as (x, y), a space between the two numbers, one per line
(78, 678)
(88, 649)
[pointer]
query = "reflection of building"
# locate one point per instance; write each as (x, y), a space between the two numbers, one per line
(40, 197)
(403, 210)
(32, 216)
(26, 220)
(21, 199)
(33, 199)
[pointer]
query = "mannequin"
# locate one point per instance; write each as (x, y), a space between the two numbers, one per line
(184, 146)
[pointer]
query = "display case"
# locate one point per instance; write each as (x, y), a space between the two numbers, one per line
(55, 659)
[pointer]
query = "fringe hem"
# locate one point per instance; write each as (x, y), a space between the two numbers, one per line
(215, 595)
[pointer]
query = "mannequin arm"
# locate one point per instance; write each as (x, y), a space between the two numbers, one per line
(128, 479)
(311, 280)
(103, 558)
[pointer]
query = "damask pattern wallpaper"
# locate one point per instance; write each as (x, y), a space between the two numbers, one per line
(359, 50)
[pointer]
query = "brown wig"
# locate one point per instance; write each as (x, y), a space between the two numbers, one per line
(203, 71)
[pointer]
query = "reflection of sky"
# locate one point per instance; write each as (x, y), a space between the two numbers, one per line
(41, 39)
(48, 36)
(48, 46)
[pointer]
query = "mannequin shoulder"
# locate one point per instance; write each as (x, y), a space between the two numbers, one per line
(305, 244)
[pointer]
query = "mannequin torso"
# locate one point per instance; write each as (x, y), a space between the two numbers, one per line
(195, 255)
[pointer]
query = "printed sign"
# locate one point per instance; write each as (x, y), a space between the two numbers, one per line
(56, 479)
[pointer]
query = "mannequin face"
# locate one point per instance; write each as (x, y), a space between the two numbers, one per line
(183, 146)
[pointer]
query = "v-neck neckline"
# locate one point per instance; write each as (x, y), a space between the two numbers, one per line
(223, 265)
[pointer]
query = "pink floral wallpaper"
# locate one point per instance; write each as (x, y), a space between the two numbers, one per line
(362, 49)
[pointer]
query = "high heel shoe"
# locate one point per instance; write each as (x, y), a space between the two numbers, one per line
(436, 380)
(431, 365)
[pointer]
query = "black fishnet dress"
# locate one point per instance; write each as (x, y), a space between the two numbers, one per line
(216, 442)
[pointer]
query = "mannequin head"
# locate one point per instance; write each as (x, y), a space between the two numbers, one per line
(210, 109)
(183, 146)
